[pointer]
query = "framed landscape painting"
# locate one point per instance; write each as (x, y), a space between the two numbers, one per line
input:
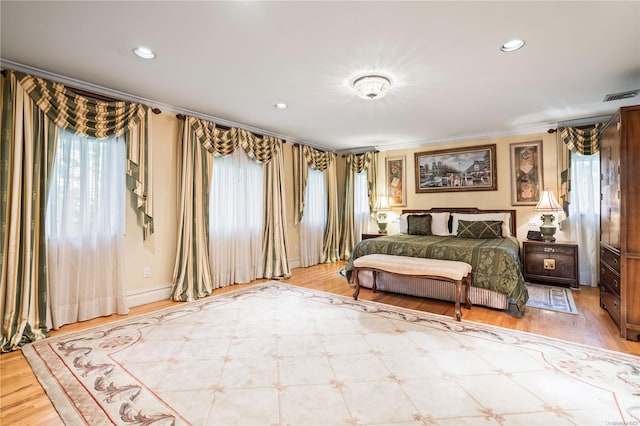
(526, 173)
(460, 169)
(395, 181)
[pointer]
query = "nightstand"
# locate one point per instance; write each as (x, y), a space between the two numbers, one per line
(369, 236)
(551, 263)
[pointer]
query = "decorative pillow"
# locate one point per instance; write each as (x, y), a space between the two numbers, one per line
(505, 217)
(439, 223)
(480, 229)
(419, 224)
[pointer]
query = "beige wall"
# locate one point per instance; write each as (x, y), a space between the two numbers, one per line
(158, 251)
(500, 199)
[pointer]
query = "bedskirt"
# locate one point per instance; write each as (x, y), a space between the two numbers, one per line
(433, 289)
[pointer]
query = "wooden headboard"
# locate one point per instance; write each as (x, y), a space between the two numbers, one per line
(468, 210)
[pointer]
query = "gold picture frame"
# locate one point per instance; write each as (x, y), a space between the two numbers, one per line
(461, 169)
(527, 180)
(395, 181)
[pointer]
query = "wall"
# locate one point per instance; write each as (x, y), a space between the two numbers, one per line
(158, 251)
(500, 199)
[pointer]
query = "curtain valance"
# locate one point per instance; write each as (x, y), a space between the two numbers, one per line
(225, 141)
(359, 162)
(90, 117)
(581, 140)
(100, 119)
(316, 159)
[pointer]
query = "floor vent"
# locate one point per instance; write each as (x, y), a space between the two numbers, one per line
(621, 95)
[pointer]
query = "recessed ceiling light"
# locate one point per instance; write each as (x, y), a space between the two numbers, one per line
(512, 45)
(144, 53)
(281, 105)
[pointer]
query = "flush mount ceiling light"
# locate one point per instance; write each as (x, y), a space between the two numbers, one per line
(281, 105)
(372, 86)
(144, 53)
(512, 45)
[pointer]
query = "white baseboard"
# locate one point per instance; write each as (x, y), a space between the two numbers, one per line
(142, 297)
(294, 263)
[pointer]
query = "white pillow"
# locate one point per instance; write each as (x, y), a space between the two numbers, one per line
(505, 217)
(439, 223)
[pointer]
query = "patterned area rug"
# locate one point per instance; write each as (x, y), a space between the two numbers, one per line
(551, 298)
(275, 354)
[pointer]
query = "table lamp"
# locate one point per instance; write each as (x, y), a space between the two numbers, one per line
(548, 205)
(380, 208)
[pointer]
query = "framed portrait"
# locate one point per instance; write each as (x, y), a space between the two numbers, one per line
(526, 173)
(460, 169)
(395, 181)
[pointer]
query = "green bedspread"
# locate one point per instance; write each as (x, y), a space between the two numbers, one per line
(495, 262)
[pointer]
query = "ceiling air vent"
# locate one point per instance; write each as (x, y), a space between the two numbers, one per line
(621, 95)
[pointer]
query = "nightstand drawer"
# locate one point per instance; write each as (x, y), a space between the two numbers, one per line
(551, 249)
(610, 258)
(609, 278)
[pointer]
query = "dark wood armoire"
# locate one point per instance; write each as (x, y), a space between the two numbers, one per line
(620, 220)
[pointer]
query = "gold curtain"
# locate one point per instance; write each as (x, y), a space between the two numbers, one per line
(356, 163)
(304, 157)
(192, 274)
(99, 119)
(27, 153)
(201, 140)
(584, 141)
(274, 242)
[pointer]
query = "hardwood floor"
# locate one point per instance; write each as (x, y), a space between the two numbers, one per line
(23, 401)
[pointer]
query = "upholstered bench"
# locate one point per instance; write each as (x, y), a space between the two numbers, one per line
(456, 272)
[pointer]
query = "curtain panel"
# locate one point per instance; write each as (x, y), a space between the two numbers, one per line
(27, 153)
(356, 163)
(192, 274)
(584, 141)
(303, 157)
(200, 141)
(98, 119)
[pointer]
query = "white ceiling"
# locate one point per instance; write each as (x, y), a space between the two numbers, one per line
(235, 60)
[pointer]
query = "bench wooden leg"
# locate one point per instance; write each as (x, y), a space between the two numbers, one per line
(467, 281)
(354, 277)
(458, 296)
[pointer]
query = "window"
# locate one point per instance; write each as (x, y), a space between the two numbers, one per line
(84, 228)
(235, 219)
(361, 211)
(314, 219)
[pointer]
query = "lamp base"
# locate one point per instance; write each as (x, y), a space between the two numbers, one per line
(382, 227)
(547, 229)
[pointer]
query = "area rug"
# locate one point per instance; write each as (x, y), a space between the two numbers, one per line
(275, 354)
(551, 298)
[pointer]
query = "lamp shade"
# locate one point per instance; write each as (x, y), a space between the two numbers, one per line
(548, 202)
(382, 204)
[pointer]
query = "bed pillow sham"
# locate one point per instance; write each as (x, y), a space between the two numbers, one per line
(481, 229)
(505, 217)
(419, 224)
(439, 223)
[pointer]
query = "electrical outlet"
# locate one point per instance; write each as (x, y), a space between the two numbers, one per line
(533, 223)
(146, 272)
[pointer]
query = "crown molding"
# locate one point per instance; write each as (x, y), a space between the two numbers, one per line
(105, 91)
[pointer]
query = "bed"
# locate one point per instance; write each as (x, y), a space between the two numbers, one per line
(497, 280)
